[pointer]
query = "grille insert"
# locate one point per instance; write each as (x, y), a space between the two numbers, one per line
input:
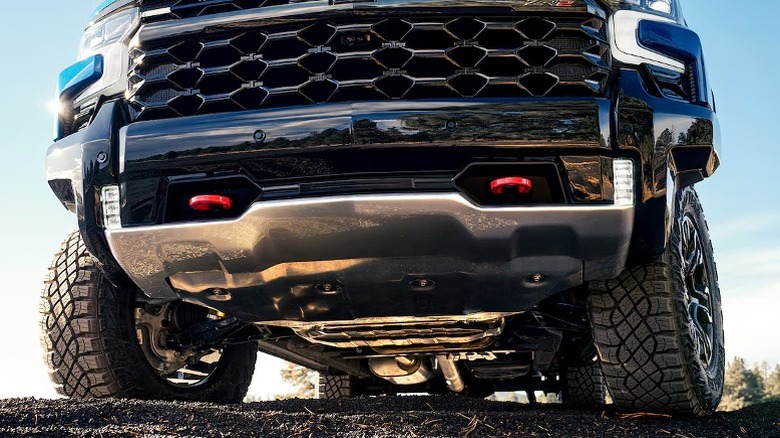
(366, 58)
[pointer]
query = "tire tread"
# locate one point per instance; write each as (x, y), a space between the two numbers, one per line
(89, 341)
(638, 331)
(585, 387)
(333, 387)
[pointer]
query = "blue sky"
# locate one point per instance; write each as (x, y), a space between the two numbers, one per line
(38, 39)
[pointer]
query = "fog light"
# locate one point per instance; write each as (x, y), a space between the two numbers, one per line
(623, 171)
(109, 198)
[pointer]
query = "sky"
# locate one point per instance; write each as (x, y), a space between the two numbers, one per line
(40, 38)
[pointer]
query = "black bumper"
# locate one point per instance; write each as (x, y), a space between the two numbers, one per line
(288, 153)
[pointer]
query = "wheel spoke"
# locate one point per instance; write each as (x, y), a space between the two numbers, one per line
(702, 331)
(706, 345)
(692, 247)
(697, 285)
(700, 288)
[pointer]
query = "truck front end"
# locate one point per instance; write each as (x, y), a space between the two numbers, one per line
(424, 179)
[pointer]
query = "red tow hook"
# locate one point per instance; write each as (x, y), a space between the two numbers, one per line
(210, 202)
(523, 185)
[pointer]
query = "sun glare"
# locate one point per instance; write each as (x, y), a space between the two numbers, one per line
(54, 106)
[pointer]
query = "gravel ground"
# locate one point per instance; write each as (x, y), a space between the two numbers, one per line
(376, 417)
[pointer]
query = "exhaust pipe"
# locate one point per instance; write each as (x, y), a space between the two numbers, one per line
(401, 370)
(451, 374)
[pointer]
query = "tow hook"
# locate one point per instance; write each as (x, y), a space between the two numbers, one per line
(523, 186)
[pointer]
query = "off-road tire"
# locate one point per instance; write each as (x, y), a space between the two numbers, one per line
(91, 346)
(642, 329)
(334, 387)
(584, 386)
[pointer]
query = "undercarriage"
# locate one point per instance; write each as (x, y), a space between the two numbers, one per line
(479, 354)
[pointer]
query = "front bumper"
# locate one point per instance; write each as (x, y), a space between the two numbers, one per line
(343, 258)
(345, 149)
(583, 238)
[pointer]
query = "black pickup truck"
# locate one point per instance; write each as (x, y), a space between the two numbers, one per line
(407, 196)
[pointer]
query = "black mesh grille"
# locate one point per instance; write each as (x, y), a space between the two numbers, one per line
(370, 59)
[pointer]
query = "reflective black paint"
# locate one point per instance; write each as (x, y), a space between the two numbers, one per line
(431, 139)
(72, 165)
(681, 43)
(589, 178)
(670, 140)
(317, 142)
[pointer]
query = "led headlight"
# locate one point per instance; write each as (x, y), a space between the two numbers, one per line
(624, 29)
(101, 69)
(669, 8)
(107, 31)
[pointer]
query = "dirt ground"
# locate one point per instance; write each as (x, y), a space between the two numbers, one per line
(374, 417)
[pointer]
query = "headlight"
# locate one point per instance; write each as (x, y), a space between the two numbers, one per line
(668, 8)
(107, 31)
(101, 69)
(624, 34)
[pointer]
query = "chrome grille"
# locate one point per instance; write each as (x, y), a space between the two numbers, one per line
(360, 59)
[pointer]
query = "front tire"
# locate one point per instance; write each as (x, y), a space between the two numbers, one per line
(92, 346)
(658, 327)
(584, 386)
(335, 387)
